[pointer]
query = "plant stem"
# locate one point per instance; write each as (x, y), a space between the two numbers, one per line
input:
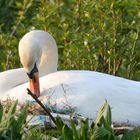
(39, 102)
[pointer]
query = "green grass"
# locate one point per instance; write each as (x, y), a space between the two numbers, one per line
(13, 126)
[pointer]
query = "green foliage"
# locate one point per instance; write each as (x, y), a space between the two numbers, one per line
(100, 35)
(36, 134)
(101, 130)
(12, 126)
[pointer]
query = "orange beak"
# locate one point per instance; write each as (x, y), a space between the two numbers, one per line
(34, 84)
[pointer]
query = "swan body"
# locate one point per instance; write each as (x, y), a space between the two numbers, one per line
(85, 91)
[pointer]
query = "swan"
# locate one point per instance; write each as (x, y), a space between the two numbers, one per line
(83, 91)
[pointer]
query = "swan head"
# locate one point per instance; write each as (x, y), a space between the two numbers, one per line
(39, 56)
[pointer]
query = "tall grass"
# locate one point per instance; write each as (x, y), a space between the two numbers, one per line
(13, 126)
(101, 35)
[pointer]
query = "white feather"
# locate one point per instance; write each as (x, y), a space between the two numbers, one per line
(83, 90)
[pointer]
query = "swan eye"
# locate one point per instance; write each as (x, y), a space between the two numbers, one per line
(34, 70)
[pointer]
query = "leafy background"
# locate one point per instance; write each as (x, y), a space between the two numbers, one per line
(100, 35)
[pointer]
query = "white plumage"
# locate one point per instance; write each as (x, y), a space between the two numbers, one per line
(83, 90)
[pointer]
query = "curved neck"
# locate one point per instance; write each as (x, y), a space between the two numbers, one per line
(11, 78)
(49, 63)
(49, 60)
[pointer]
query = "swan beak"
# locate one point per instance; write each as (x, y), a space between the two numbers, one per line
(34, 84)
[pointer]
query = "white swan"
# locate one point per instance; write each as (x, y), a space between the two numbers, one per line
(83, 90)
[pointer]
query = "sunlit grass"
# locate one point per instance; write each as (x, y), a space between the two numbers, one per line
(13, 126)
